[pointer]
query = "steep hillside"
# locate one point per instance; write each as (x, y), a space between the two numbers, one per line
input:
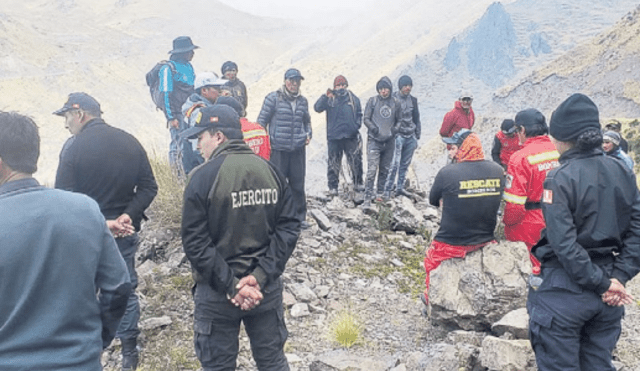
(605, 68)
(506, 44)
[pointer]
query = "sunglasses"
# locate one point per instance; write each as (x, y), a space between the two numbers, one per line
(467, 99)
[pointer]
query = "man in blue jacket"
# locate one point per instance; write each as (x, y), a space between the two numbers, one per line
(344, 118)
(56, 255)
(285, 115)
(110, 166)
(176, 85)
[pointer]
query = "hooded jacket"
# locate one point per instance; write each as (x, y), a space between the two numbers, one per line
(381, 115)
(287, 120)
(470, 190)
(457, 119)
(176, 88)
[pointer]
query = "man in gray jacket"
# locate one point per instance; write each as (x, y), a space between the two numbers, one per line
(381, 116)
(407, 138)
(285, 115)
(63, 284)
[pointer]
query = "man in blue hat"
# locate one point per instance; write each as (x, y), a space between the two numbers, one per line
(285, 115)
(239, 228)
(176, 83)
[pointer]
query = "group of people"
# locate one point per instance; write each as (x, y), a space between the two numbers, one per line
(571, 196)
(577, 211)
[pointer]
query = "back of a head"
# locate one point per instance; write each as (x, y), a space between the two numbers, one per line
(577, 120)
(532, 121)
(19, 142)
(231, 102)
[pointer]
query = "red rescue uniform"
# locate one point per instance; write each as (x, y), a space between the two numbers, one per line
(526, 172)
(256, 137)
(508, 146)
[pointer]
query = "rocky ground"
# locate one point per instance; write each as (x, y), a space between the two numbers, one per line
(348, 267)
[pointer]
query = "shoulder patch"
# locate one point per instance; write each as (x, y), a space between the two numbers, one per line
(547, 196)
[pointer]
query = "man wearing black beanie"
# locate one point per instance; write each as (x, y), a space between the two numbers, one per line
(589, 250)
(408, 133)
(526, 172)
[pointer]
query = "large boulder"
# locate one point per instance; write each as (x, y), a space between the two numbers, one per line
(477, 291)
(507, 355)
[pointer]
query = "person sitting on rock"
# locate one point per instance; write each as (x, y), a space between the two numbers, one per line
(469, 191)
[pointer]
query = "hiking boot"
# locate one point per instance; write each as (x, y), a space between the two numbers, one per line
(333, 192)
(402, 192)
(129, 354)
(358, 198)
(305, 225)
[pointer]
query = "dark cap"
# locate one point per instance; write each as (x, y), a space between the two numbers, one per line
(182, 44)
(614, 125)
(530, 119)
(457, 138)
(231, 102)
(218, 117)
(292, 73)
(573, 117)
(508, 126)
(81, 101)
(228, 65)
(404, 81)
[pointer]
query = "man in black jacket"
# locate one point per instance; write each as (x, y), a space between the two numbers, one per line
(408, 131)
(344, 118)
(589, 250)
(239, 228)
(110, 166)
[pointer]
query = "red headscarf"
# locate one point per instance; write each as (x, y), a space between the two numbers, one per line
(470, 150)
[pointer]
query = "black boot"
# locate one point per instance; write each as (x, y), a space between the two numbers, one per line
(129, 354)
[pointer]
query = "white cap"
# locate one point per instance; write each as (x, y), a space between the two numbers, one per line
(208, 79)
(465, 94)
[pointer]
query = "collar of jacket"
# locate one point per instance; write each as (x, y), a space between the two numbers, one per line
(574, 153)
(232, 146)
(288, 95)
(16, 185)
(93, 122)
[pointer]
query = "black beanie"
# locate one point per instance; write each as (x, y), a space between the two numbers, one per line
(404, 81)
(383, 83)
(530, 119)
(573, 117)
(228, 65)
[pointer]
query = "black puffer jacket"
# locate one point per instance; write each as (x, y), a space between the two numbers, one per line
(287, 120)
(344, 114)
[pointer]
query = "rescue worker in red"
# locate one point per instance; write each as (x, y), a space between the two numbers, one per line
(253, 133)
(505, 143)
(469, 191)
(460, 117)
(526, 172)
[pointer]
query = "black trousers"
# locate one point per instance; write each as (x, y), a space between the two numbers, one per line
(294, 166)
(352, 147)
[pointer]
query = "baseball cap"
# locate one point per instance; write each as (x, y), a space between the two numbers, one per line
(465, 94)
(292, 73)
(615, 125)
(219, 117)
(508, 126)
(208, 79)
(458, 137)
(81, 101)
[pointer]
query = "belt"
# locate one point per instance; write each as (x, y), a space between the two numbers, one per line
(532, 205)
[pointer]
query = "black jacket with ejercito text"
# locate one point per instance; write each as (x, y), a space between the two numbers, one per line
(591, 206)
(238, 219)
(110, 166)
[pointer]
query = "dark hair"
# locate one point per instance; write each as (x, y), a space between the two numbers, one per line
(534, 131)
(19, 142)
(589, 140)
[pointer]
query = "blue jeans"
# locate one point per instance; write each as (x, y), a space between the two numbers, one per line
(379, 156)
(570, 328)
(128, 328)
(402, 155)
(173, 146)
(217, 326)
